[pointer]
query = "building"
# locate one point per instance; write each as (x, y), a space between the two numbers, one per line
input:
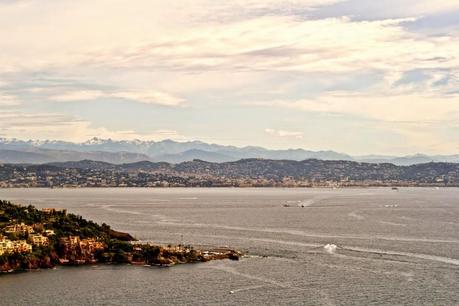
(14, 246)
(89, 246)
(48, 210)
(49, 232)
(39, 240)
(5, 245)
(81, 248)
(53, 211)
(21, 246)
(70, 242)
(19, 229)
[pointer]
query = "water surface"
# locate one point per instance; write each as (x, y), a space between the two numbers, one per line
(394, 247)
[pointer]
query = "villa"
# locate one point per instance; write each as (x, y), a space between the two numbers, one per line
(19, 229)
(39, 240)
(14, 246)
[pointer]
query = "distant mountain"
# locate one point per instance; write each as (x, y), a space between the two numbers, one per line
(409, 160)
(166, 150)
(290, 154)
(33, 155)
(195, 154)
(19, 157)
(150, 148)
(119, 152)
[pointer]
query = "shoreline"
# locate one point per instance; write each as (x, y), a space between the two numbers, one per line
(32, 239)
(233, 187)
(96, 264)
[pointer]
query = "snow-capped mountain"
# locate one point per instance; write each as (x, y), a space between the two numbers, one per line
(126, 151)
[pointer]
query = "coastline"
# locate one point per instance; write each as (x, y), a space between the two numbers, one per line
(212, 254)
(356, 186)
(33, 239)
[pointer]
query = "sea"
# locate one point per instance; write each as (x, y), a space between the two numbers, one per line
(360, 246)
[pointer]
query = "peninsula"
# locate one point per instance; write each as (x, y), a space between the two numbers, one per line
(33, 239)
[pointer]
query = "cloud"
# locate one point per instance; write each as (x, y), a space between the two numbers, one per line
(392, 108)
(121, 35)
(408, 124)
(150, 97)
(112, 28)
(371, 10)
(147, 97)
(279, 43)
(242, 9)
(154, 43)
(8, 100)
(429, 7)
(15, 124)
(284, 133)
(221, 54)
(78, 95)
(434, 137)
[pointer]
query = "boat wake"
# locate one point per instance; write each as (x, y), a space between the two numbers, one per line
(441, 259)
(302, 233)
(355, 215)
(335, 249)
(253, 277)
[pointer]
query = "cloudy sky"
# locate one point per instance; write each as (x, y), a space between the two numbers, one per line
(355, 76)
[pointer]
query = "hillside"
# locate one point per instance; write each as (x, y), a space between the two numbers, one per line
(32, 155)
(245, 172)
(33, 239)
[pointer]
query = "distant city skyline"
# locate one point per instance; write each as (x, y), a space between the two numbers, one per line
(352, 76)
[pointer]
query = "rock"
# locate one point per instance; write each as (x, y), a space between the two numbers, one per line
(121, 236)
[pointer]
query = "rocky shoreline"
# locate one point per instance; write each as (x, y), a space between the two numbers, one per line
(167, 257)
(43, 239)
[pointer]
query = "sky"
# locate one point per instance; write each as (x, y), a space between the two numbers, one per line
(354, 76)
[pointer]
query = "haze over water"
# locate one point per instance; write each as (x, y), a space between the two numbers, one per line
(393, 247)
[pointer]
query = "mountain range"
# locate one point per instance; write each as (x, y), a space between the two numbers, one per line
(119, 152)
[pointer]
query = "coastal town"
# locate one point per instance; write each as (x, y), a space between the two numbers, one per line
(243, 173)
(32, 239)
